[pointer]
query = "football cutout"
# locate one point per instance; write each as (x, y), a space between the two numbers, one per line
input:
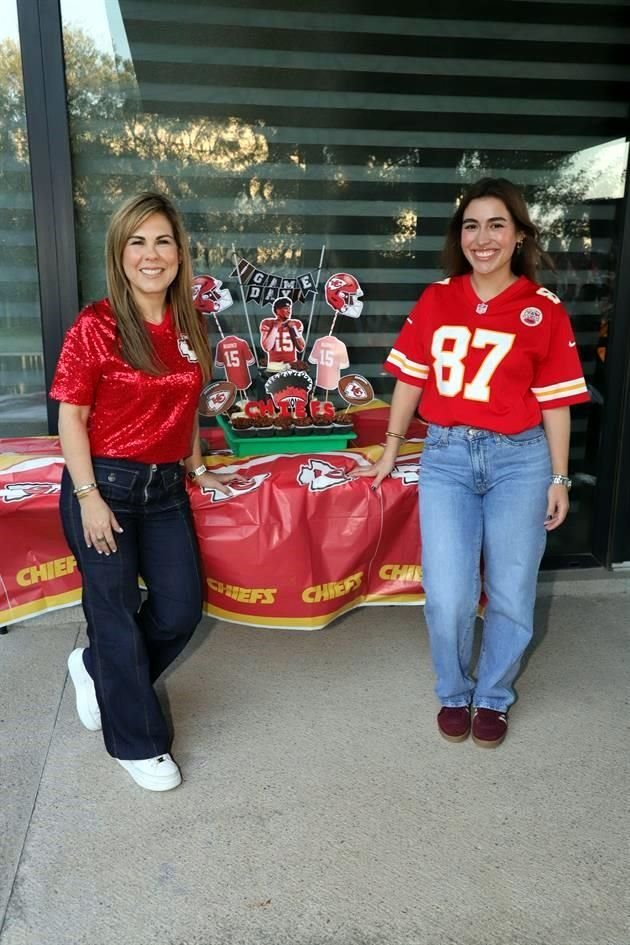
(216, 398)
(355, 389)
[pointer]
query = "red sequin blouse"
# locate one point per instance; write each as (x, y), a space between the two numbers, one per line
(133, 415)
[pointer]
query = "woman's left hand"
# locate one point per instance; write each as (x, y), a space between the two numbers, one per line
(557, 506)
(218, 481)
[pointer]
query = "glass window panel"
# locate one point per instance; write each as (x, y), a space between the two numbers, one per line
(22, 384)
(280, 131)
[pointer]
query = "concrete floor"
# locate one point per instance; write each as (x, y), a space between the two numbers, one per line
(319, 805)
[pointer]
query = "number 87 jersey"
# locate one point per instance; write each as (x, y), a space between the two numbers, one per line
(493, 365)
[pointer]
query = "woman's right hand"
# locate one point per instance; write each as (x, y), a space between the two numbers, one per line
(379, 470)
(99, 523)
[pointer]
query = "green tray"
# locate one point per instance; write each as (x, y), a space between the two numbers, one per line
(264, 445)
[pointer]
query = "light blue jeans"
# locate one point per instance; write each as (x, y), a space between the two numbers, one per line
(483, 498)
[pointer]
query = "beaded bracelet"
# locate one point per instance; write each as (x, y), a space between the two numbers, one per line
(398, 436)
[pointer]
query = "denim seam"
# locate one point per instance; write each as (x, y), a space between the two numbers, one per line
(88, 607)
(135, 640)
(477, 584)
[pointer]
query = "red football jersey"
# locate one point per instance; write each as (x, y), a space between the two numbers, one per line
(133, 415)
(234, 355)
(283, 348)
(491, 365)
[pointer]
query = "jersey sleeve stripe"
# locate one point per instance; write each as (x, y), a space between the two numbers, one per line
(555, 391)
(412, 368)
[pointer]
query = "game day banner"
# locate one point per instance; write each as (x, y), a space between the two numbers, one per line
(294, 545)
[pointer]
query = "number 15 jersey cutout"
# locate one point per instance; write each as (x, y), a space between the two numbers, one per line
(235, 356)
(331, 357)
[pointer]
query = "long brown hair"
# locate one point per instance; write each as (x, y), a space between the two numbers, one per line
(135, 341)
(526, 258)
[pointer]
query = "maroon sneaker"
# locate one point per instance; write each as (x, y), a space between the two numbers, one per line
(489, 727)
(454, 722)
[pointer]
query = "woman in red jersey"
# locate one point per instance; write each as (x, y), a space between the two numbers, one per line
(488, 358)
(129, 378)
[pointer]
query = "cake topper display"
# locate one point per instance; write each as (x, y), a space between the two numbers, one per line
(216, 397)
(284, 402)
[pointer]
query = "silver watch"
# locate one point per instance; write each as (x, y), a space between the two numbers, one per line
(561, 481)
(195, 473)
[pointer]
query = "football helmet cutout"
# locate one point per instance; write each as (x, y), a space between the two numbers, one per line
(343, 294)
(208, 296)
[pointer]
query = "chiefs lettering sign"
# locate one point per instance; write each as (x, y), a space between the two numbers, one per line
(296, 543)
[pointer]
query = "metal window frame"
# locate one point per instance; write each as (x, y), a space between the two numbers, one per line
(611, 525)
(51, 176)
(41, 40)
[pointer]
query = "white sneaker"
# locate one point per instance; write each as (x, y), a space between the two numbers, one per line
(154, 774)
(87, 706)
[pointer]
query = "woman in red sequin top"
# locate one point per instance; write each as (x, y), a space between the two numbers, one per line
(129, 378)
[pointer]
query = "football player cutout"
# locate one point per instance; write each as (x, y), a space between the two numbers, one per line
(281, 337)
(488, 358)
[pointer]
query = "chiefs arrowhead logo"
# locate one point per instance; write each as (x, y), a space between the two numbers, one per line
(408, 473)
(239, 487)
(17, 491)
(318, 475)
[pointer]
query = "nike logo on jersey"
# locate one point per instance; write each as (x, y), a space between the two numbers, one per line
(572, 344)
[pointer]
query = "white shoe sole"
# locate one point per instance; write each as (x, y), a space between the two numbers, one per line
(152, 782)
(85, 697)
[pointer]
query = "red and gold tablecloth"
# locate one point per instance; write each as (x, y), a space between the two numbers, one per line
(296, 544)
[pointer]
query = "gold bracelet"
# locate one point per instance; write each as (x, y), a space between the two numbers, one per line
(398, 436)
(85, 491)
(86, 488)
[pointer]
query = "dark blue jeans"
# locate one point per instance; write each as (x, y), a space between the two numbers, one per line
(132, 642)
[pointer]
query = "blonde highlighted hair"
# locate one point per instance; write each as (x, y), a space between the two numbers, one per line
(135, 341)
